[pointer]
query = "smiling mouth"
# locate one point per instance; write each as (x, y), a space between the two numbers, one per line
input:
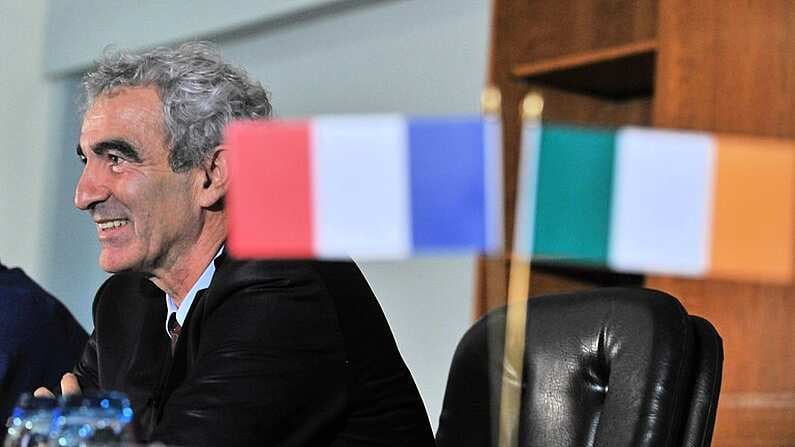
(111, 224)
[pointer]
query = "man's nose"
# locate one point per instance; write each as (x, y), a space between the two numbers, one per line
(91, 189)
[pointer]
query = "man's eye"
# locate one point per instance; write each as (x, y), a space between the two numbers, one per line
(114, 159)
(82, 158)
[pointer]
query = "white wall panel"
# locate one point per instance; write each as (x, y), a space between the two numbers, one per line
(410, 56)
(316, 56)
(78, 30)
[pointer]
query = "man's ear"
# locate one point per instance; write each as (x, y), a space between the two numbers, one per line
(215, 177)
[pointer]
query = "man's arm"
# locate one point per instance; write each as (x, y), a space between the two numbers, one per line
(86, 373)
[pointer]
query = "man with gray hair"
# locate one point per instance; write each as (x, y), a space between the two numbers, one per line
(213, 350)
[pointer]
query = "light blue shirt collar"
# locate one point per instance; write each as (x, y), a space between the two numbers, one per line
(202, 283)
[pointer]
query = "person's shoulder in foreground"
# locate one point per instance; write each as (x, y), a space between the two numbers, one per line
(210, 350)
(39, 338)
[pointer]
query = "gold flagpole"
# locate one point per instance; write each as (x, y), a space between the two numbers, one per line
(518, 293)
(491, 267)
(490, 101)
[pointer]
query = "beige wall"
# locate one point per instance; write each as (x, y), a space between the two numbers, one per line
(410, 56)
(23, 133)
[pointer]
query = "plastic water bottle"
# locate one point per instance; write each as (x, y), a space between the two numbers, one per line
(95, 420)
(29, 424)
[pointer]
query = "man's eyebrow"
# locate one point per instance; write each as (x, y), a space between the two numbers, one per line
(122, 147)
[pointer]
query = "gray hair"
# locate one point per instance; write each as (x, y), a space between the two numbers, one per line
(200, 93)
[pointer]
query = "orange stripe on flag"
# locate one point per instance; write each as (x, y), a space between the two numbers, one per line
(753, 223)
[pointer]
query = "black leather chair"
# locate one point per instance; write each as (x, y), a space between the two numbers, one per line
(608, 367)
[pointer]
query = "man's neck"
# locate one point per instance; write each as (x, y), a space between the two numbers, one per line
(180, 277)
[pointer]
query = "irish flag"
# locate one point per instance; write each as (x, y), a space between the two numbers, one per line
(662, 201)
(374, 187)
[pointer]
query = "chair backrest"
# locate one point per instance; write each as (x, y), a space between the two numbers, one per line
(608, 367)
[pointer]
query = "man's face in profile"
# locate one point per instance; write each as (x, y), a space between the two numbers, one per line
(146, 215)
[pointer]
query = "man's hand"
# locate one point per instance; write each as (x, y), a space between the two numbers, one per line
(69, 385)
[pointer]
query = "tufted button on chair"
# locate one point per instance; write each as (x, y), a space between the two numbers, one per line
(608, 367)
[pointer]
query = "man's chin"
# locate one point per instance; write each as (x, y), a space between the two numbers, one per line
(113, 268)
(112, 263)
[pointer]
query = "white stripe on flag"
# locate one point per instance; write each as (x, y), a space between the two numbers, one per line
(524, 224)
(361, 186)
(662, 201)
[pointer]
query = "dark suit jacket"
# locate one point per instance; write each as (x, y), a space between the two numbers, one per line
(39, 338)
(273, 353)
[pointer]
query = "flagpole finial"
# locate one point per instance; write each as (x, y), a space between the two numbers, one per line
(491, 100)
(532, 106)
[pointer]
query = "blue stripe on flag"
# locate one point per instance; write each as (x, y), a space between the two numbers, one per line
(447, 186)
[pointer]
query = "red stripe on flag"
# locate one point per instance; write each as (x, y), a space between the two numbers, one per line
(269, 203)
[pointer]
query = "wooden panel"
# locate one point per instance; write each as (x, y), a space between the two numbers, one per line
(566, 107)
(755, 419)
(756, 323)
(491, 286)
(721, 65)
(527, 31)
(729, 66)
(617, 73)
(541, 29)
(754, 427)
(545, 279)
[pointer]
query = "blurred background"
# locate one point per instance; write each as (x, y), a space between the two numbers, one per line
(314, 56)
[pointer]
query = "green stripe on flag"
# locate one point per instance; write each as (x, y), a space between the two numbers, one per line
(574, 194)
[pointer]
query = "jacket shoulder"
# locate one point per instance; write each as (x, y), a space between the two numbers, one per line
(122, 292)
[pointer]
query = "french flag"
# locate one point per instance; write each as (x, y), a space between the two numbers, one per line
(368, 187)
